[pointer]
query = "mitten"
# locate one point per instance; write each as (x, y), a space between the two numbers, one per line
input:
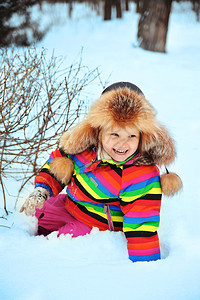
(35, 199)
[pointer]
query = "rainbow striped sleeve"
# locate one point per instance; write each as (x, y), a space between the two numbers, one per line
(46, 180)
(140, 203)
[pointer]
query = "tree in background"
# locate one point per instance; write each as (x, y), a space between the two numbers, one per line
(108, 4)
(153, 24)
(12, 33)
(126, 5)
(196, 8)
(39, 101)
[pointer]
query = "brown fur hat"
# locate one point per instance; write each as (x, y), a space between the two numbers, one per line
(124, 104)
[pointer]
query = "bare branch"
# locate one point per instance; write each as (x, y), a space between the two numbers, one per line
(39, 100)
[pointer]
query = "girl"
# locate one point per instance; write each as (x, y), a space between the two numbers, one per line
(107, 169)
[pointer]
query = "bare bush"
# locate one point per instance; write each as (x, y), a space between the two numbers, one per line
(38, 101)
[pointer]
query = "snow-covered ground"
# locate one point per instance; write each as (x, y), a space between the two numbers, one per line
(96, 266)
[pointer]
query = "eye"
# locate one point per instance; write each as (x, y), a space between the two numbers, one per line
(114, 134)
(132, 135)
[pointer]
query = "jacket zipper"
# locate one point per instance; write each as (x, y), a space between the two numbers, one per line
(106, 210)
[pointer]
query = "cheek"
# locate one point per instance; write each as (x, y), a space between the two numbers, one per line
(108, 143)
(105, 141)
(135, 144)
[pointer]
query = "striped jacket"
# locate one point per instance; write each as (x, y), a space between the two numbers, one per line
(131, 194)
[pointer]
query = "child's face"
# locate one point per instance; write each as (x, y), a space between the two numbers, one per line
(120, 143)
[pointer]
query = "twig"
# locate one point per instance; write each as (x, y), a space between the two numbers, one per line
(40, 100)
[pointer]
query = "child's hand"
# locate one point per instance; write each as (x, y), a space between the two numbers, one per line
(35, 199)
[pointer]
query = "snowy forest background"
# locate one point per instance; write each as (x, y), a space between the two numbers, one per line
(71, 40)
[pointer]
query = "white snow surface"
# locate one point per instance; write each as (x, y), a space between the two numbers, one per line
(96, 266)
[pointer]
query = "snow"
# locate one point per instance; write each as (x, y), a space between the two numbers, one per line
(96, 266)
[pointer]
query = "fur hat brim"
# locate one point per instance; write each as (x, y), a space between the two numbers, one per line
(123, 107)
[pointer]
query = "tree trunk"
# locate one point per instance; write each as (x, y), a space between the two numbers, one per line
(127, 5)
(137, 2)
(70, 9)
(196, 8)
(153, 25)
(107, 10)
(118, 8)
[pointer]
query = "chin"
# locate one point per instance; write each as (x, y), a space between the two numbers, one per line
(120, 158)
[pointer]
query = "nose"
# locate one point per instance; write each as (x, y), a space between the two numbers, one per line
(122, 143)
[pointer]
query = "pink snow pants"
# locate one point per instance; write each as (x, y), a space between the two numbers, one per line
(55, 217)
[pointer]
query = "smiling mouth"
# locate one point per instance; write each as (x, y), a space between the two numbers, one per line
(120, 151)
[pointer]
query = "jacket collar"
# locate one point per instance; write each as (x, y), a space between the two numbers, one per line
(102, 155)
(96, 162)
